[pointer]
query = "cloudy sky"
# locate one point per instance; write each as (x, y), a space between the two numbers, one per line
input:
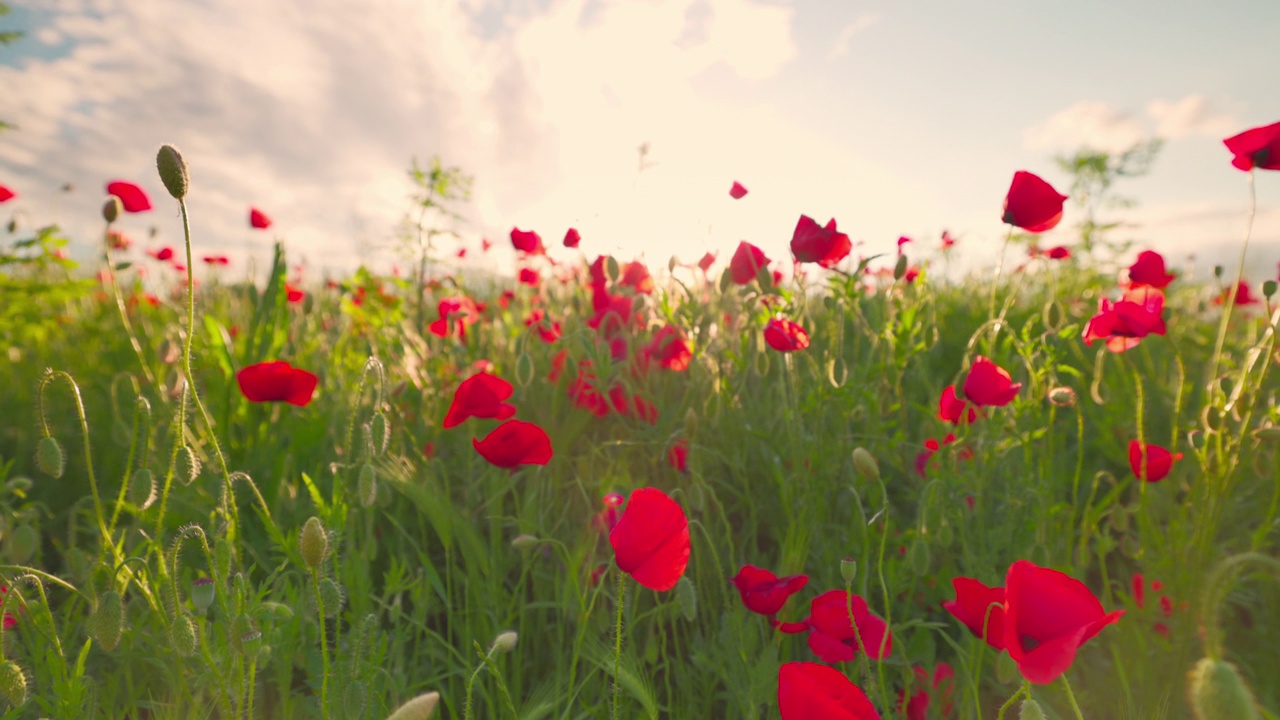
(896, 118)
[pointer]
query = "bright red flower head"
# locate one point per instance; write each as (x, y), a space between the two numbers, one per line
(572, 238)
(951, 408)
(1123, 324)
(480, 396)
(636, 276)
(678, 455)
(1032, 204)
(651, 541)
(979, 606)
(456, 315)
(670, 349)
(276, 381)
(1159, 461)
(530, 277)
(763, 592)
(6, 194)
(989, 384)
(1149, 270)
(834, 638)
(823, 245)
(1256, 148)
(258, 219)
(527, 241)
(942, 687)
(1048, 616)
(1059, 252)
(515, 443)
(1244, 296)
(216, 260)
(810, 691)
(164, 254)
(785, 336)
(746, 263)
(132, 198)
(737, 191)
(294, 294)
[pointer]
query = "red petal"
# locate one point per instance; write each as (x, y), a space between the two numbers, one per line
(651, 541)
(132, 198)
(515, 443)
(258, 219)
(809, 691)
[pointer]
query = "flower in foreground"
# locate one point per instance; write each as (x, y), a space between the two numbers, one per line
(989, 384)
(813, 243)
(572, 238)
(258, 219)
(131, 196)
(834, 638)
(746, 263)
(1159, 461)
(763, 592)
(1256, 148)
(737, 191)
(1123, 324)
(1032, 204)
(6, 194)
(480, 396)
(785, 336)
(979, 607)
(1048, 616)
(810, 691)
(952, 409)
(277, 381)
(515, 443)
(651, 541)
(1149, 269)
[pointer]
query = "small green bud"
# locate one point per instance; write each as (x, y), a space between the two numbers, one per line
(919, 557)
(184, 635)
(332, 597)
(111, 209)
(23, 543)
(49, 456)
(525, 542)
(900, 269)
(274, 611)
(106, 625)
(690, 423)
(611, 268)
(1217, 692)
(1030, 710)
(13, 683)
(848, 569)
(1062, 396)
(173, 171)
(367, 485)
(865, 463)
(202, 594)
(419, 708)
(505, 642)
(313, 543)
(188, 468)
(687, 598)
(354, 699)
(142, 488)
(380, 432)
(1269, 288)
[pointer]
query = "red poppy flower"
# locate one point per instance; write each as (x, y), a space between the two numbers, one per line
(515, 443)
(258, 219)
(1060, 252)
(613, 313)
(295, 294)
(942, 687)
(1244, 296)
(527, 241)
(1123, 324)
(163, 254)
(763, 592)
(989, 384)
(216, 259)
(746, 263)
(651, 541)
(737, 191)
(979, 606)
(1032, 204)
(132, 198)
(951, 408)
(276, 381)
(636, 276)
(932, 446)
(605, 520)
(834, 638)
(785, 336)
(456, 315)
(480, 396)
(670, 349)
(1159, 461)
(810, 691)
(1256, 148)
(548, 330)
(1048, 616)
(530, 277)
(572, 238)
(1149, 270)
(947, 241)
(6, 194)
(823, 245)
(678, 455)
(705, 263)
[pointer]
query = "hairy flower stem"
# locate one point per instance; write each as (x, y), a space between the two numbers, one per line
(1229, 302)
(617, 644)
(1012, 699)
(1072, 698)
(124, 315)
(324, 645)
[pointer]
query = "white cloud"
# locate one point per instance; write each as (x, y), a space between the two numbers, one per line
(1095, 125)
(841, 45)
(1192, 115)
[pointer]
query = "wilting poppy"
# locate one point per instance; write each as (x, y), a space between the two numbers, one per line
(572, 238)
(785, 336)
(527, 241)
(480, 396)
(951, 408)
(132, 197)
(276, 381)
(1032, 204)
(651, 541)
(811, 691)
(1123, 324)
(989, 384)
(530, 277)
(678, 455)
(1256, 148)
(834, 638)
(746, 263)
(670, 349)
(1149, 270)
(813, 243)
(942, 687)
(258, 219)
(6, 194)
(979, 606)
(737, 191)
(763, 592)
(515, 443)
(1159, 461)
(1048, 616)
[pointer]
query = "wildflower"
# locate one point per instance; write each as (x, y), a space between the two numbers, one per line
(1149, 270)
(809, 691)
(277, 381)
(952, 409)
(480, 396)
(979, 607)
(941, 686)
(1123, 324)
(834, 637)
(1158, 460)
(293, 293)
(785, 336)
(1032, 204)
(164, 254)
(572, 238)
(456, 315)
(6, 194)
(669, 349)
(1244, 296)
(1256, 148)
(737, 191)
(989, 384)
(216, 259)
(764, 593)
(258, 219)
(678, 455)
(705, 263)
(132, 197)
(651, 541)
(530, 277)
(636, 276)
(515, 443)
(746, 263)
(527, 241)
(823, 245)
(605, 520)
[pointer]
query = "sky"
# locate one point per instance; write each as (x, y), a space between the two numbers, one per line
(895, 118)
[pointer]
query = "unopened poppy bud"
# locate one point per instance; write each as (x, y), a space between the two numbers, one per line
(690, 423)
(313, 543)
(419, 708)
(49, 456)
(848, 569)
(611, 268)
(274, 611)
(332, 597)
(202, 594)
(919, 557)
(525, 542)
(1217, 271)
(1030, 710)
(183, 635)
(222, 557)
(142, 488)
(111, 209)
(1062, 396)
(900, 269)
(13, 683)
(241, 627)
(1267, 433)
(1269, 288)
(687, 598)
(1217, 692)
(22, 543)
(865, 463)
(188, 468)
(173, 171)
(505, 642)
(106, 625)
(380, 432)
(367, 485)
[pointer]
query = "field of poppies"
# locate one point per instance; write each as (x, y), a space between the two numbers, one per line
(826, 486)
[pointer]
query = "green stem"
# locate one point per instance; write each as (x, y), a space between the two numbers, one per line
(124, 315)
(617, 644)
(1009, 703)
(1218, 587)
(1072, 698)
(1229, 302)
(324, 645)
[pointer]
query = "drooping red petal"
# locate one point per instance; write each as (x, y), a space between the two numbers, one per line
(515, 443)
(763, 592)
(258, 219)
(6, 194)
(1159, 461)
(1032, 204)
(527, 241)
(572, 238)
(132, 197)
(737, 191)
(979, 606)
(651, 541)
(1256, 148)
(813, 243)
(276, 381)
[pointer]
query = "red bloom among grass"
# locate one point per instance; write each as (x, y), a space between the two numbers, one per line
(456, 315)
(952, 409)
(1048, 616)
(810, 691)
(816, 244)
(1256, 148)
(480, 396)
(763, 592)
(706, 261)
(988, 384)
(678, 455)
(746, 263)
(6, 194)
(1149, 270)
(258, 220)
(572, 238)
(651, 541)
(1244, 296)
(276, 381)
(546, 328)
(979, 607)
(216, 260)
(833, 638)
(1032, 204)
(515, 443)
(737, 191)
(1125, 323)
(636, 276)
(132, 197)
(1158, 460)
(785, 336)
(164, 254)
(670, 349)
(530, 277)
(942, 687)
(294, 294)
(527, 241)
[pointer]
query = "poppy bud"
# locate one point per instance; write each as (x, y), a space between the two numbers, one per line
(1217, 271)
(354, 699)
(313, 543)
(865, 463)
(1269, 288)
(419, 708)
(611, 268)
(332, 597)
(687, 598)
(726, 279)
(188, 465)
(222, 557)
(49, 456)
(1217, 692)
(22, 544)
(919, 557)
(900, 269)
(848, 569)
(251, 644)
(13, 683)
(380, 432)
(1267, 433)
(367, 485)
(107, 622)
(111, 209)
(142, 488)
(274, 611)
(1030, 710)
(505, 642)
(1062, 396)
(173, 171)
(241, 628)
(183, 635)
(202, 593)
(525, 542)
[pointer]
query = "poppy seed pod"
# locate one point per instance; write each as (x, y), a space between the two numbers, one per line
(173, 171)
(49, 456)
(419, 708)
(111, 209)
(313, 543)
(13, 683)
(1217, 692)
(202, 594)
(505, 642)
(865, 463)
(848, 569)
(107, 622)
(1030, 710)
